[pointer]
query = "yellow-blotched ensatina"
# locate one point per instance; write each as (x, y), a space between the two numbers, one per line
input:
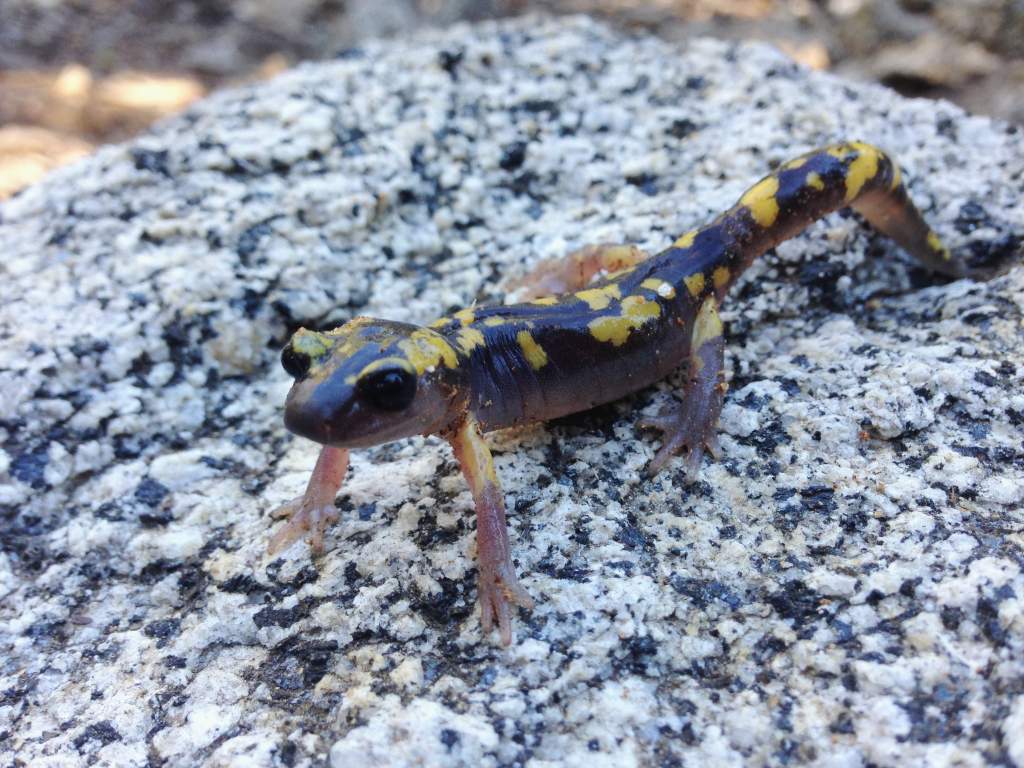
(579, 342)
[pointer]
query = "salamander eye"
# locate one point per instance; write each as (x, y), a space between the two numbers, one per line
(390, 389)
(295, 363)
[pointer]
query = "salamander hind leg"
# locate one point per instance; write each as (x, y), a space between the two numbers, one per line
(314, 511)
(499, 588)
(575, 271)
(691, 425)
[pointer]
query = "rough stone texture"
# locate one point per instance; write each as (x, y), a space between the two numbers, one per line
(844, 587)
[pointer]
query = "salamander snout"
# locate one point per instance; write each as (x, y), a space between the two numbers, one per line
(368, 382)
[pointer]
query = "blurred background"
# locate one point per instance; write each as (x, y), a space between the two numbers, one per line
(75, 74)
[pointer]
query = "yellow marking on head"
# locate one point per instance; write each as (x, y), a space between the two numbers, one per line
(760, 201)
(686, 240)
(695, 283)
(720, 277)
(469, 339)
(465, 316)
(545, 301)
(350, 327)
(660, 287)
(351, 340)
(310, 343)
(861, 170)
(636, 310)
(426, 349)
(534, 353)
(441, 322)
(599, 298)
(493, 320)
(814, 181)
(936, 244)
(384, 362)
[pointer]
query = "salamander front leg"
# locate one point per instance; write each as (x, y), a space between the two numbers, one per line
(313, 511)
(575, 271)
(498, 584)
(692, 424)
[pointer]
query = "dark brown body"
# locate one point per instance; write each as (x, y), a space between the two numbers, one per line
(582, 371)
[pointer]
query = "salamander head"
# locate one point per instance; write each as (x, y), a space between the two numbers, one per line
(370, 382)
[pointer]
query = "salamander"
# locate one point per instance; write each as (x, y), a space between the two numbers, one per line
(606, 322)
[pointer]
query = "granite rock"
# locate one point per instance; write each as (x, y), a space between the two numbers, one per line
(844, 587)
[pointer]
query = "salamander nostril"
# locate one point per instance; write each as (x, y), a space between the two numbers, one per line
(295, 363)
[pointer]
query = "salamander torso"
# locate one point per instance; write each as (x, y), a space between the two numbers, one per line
(572, 346)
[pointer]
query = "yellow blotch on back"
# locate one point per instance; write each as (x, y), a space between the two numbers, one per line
(599, 298)
(861, 170)
(636, 311)
(660, 287)
(760, 201)
(686, 240)
(469, 339)
(465, 316)
(532, 351)
(545, 301)
(795, 163)
(815, 182)
(427, 349)
(695, 283)
(494, 320)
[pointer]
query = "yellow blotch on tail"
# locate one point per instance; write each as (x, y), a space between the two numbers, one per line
(686, 240)
(532, 351)
(599, 298)
(862, 169)
(636, 311)
(760, 201)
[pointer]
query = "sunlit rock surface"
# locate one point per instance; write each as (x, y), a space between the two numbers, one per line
(844, 587)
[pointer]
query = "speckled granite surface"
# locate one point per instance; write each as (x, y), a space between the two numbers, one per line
(844, 588)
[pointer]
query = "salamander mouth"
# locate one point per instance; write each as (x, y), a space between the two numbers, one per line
(315, 412)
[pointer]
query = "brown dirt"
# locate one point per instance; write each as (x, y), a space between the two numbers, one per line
(75, 73)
